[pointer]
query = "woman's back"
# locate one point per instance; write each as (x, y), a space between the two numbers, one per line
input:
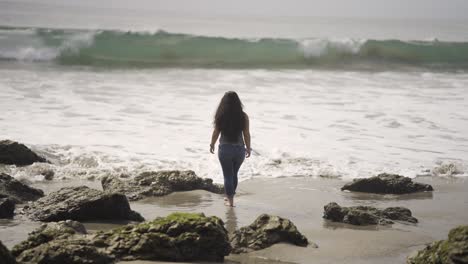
(225, 140)
(232, 123)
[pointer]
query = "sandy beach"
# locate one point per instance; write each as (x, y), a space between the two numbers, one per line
(301, 199)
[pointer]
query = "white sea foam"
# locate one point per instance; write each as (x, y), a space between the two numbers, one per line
(27, 45)
(304, 122)
(320, 47)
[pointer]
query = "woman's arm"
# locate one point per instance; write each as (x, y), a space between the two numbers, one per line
(214, 137)
(247, 136)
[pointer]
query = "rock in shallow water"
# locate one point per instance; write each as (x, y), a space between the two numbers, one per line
(367, 215)
(5, 255)
(7, 208)
(12, 152)
(265, 231)
(17, 191)
(454, 250)
(386, 184)
(159, 183)
(82, 204)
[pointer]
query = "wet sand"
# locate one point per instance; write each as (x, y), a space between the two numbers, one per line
(302, 200)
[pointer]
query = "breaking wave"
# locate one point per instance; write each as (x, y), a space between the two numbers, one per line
(106, 48)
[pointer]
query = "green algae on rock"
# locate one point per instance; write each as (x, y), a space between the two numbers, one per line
(265, 231)
(49, 232)
(367, 215)
(454, 250)
(70, 251)
(177, 237)
(57, 243)
(386, 184)
(159, 183)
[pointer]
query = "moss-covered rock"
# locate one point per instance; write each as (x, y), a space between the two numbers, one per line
(61, 251)
(386, 184)
(265, 231)
(367, 215)
(159, 183)
(177, 237)
(454, 250)
(5, 256)
(82, 204)
(48, 232)
(12, 152)
(17, 191)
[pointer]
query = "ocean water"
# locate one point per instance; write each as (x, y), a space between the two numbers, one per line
(125, 92)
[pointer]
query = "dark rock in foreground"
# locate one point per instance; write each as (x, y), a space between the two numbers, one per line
(5, 255)
(159, 183)
(454, 250)
(48, 232)
(12, 152)
(386, 184)
(17, 191)
(69, 251)
(265, 231)
(7, 208)
(177, 237)
(81, 204)
(367, 215)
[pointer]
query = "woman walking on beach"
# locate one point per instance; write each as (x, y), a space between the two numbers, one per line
(234, 145)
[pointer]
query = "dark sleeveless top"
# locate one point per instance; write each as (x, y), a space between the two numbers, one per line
(239, 141)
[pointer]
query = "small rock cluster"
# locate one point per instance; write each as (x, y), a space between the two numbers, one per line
(367, 215)
(386, 184)
(159, 183)
(265, 231)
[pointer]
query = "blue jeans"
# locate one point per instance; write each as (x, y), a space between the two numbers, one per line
(231, 158)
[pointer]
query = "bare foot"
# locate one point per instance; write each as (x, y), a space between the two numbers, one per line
(229, 201)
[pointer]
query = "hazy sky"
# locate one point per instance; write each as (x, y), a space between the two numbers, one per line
(457, 9)
(353, 8)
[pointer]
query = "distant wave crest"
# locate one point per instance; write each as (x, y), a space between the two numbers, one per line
(162, 49)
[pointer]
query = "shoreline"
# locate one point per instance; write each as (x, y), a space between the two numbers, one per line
(301, 199)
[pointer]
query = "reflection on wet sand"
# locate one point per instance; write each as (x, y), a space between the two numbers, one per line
(357, 196)
(335, 225)
(189, 199)
(231, 220)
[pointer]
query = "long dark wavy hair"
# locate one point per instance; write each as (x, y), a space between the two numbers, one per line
(230, 116)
